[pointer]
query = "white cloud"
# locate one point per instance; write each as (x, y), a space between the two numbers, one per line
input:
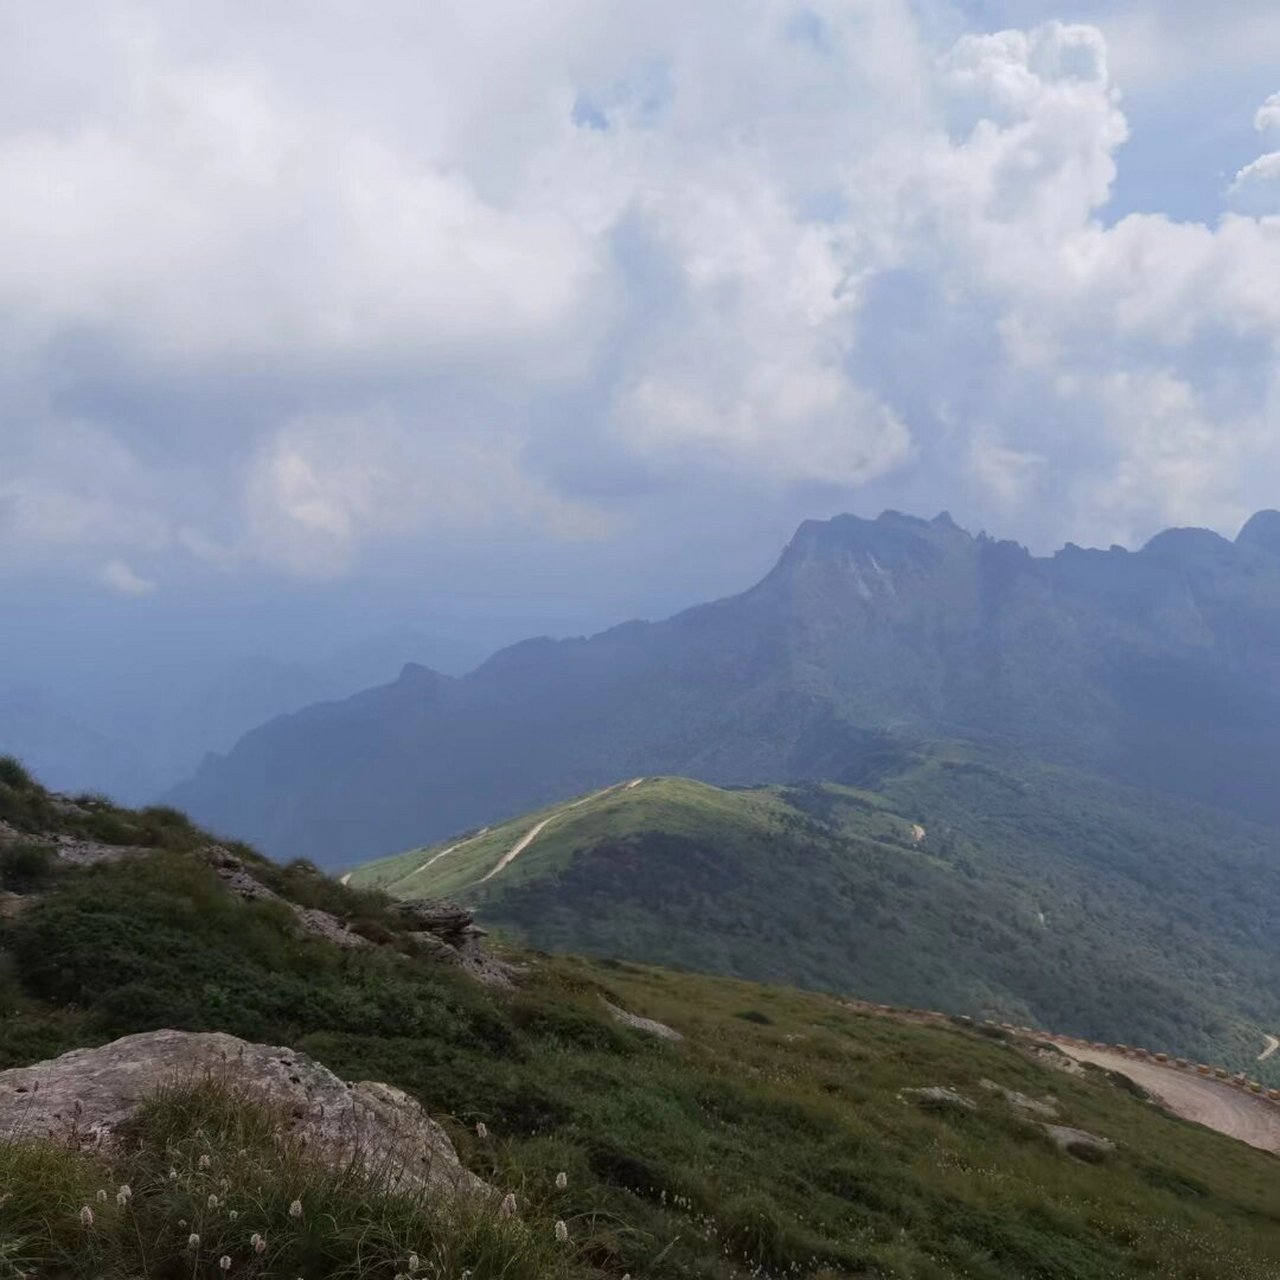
(1258, 175)
(123, 579)
(408, 238)
(1268, 116)
(1162, 45)
(324, 486)
(69, 486)
(1258, 183)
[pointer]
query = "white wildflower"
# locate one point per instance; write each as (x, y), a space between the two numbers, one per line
(295, 1209)
(173, 1175)
(224, 1263)
(86, 1216)
(233, 1214)
(482, 1130)
(102, 1196)
(193, 1241)
(414, 1263)
(212, 1202)
(507, 1209)
(259, 1244)
(562, 1180)
(562, 1231)
(204, 1162)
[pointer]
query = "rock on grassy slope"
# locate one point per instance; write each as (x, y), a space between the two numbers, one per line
(783, 1134)
(1026, 893)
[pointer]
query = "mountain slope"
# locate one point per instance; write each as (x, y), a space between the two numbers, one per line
(1027, 893)
(1161, 667)
(785, 1135)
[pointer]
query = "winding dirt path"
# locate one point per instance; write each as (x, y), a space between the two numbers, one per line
(1272, 1045)
(444, 853)
(1212, 1103)
(536, 830)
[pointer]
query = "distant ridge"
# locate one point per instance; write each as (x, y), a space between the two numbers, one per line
(1159, 666)
(965, 881)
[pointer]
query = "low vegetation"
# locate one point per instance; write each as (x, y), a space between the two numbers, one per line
(778, 1138)
(962, 881)
(205, 1188)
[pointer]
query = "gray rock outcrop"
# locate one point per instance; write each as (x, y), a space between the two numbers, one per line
(936, 1097)
(1077, 1142)
(448, 932)
(85, 1097)
(650, 1026)
(322, 924)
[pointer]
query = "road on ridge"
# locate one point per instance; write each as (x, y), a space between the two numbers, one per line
(1212, 1103)
(535, 831)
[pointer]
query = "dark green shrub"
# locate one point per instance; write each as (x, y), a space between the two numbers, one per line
(111, 828)
(13, 774)
(24, 868)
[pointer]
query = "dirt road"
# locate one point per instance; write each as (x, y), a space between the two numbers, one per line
(1212, 1103)
(535, 831)
(1272, 1045)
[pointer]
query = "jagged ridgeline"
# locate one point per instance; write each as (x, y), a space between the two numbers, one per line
(1160, 667)
(586, 1120)
(956, 879)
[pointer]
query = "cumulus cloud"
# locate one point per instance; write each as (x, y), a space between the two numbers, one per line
(124, 580)
(480, 267)
(1260, 180)
(323, 486)
(1268, 116)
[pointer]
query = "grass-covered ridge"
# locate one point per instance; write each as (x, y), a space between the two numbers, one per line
(774, 1140)
(962, 881)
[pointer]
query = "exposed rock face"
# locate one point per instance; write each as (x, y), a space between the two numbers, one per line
(936, 1097)
(649, 1025)
(320, 923)
(1079, 1143)
(447, 932)
(1047, 1107)
(73, 850)
(84, 1097)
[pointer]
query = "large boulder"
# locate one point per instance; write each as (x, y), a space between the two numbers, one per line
(85, 1097)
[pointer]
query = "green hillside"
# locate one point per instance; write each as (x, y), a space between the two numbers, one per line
(1027, 893)
(779, 1137)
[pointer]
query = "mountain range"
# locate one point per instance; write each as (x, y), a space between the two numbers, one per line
(1158, 667)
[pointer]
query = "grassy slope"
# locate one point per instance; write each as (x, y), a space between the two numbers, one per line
(772, 1141)
(774, 1137)
(1037, 895)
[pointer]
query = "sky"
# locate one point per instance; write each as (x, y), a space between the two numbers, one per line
(483, 319)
